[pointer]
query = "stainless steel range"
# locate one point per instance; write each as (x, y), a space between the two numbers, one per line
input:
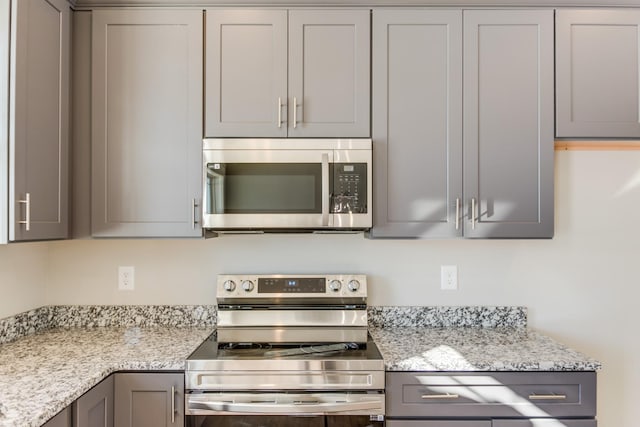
(288, 350)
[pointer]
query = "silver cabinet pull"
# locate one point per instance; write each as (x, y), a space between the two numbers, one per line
(27, 211)
(295, 112)
(547, 397)
(194, 218)
(279, 112)
(458, 213)
(440, 396)
(474, 217)
(173, 404)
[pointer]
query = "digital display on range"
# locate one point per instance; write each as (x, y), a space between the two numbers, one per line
(281, 285)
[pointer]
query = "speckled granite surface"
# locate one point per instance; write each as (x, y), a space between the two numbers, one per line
(445, 317)
(42, 373)
(475, 349)
(89, 316)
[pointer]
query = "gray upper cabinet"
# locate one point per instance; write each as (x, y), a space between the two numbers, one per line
(146, 123)
(5, 25)
(597, 73)
(38, 131)
(246, 73)
(417, 123)
(149, 400)
(260, 63)
(95, 407)
(422, 127)
(329, 69)
(508, 123)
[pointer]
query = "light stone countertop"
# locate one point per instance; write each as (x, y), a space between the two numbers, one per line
(475, 349)
(43, 373)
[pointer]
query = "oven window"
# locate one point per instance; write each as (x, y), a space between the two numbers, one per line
(254, 188)
(281, 421)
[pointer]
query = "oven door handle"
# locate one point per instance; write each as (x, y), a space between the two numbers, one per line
(271, 407)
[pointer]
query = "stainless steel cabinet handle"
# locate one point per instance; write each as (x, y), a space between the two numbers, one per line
(173, 404)
(547, 397)
(295, 112)
(279, 112)
(458, 213)
(474, 217)
(325, 188)
(440, 396)
(27, 208)
(194, 218)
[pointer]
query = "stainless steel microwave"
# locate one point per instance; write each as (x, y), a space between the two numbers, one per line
(287, 184)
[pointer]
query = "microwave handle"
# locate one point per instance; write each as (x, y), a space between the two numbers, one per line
(325, 189)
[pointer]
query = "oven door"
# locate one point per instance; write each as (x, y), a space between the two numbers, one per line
(285, 409)
(266, 188)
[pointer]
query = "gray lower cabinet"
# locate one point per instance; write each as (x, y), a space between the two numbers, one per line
(146, 123)
(35, 61)
(491, 399)
(95, 407)
(149, 400)
(597, 73)
(63, 419)
(429, 132)
(295, 73)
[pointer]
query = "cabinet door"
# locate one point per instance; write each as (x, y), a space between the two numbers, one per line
(5, 25)
(329, 69)
(149, 400)
(146, 123)
(597, 73)
(63, 419)
(95, 407)
(246, 73)
(417, 122)
(508, 123)
(39, 119)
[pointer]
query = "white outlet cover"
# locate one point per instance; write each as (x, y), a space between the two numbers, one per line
(449, 277)
(126, 278)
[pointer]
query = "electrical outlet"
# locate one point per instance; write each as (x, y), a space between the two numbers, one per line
(449, 277)
(126, 278)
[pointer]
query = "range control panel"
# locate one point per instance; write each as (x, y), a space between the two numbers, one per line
(293, 286)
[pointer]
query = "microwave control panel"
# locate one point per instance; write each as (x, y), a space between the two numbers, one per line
(349, 183)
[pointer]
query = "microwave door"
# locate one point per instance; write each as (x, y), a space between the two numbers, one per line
(215, 188)
(269, 189)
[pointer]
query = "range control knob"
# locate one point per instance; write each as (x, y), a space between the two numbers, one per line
(335, 285)
(229, 286)
(354, 285)
(247, 285)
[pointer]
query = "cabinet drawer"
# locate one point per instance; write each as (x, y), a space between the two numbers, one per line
(491, 394)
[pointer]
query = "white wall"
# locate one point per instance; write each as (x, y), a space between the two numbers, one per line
(580, 287)
(23, 275)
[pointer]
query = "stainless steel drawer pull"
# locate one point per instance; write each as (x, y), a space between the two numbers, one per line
(547, 397)
(440, 396)
(279, 112)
